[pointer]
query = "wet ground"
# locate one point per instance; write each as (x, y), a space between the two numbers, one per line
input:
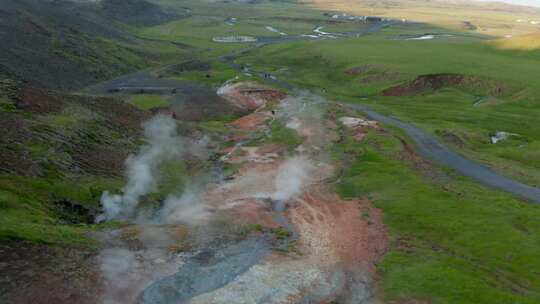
(189, 100)
(305, 244)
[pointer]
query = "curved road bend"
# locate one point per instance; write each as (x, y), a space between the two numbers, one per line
(428, 146)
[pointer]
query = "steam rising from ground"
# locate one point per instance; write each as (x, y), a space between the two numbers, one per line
(128, 272)
(163, 143)
(184, 209)
(115, 264)
(292, 175)
(302, 106)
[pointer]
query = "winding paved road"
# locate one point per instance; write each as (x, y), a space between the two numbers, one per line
(429, 147)
(426, 145)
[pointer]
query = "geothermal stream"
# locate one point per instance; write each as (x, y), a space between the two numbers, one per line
(313, 247)
(310, 246)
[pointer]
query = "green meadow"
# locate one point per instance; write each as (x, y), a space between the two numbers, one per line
(451, 240)
(503, 95)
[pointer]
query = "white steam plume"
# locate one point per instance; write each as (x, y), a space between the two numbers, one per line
(292, 176)
(186, 209)
(163, 143)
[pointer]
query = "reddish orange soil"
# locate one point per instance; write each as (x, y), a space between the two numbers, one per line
(244, 196)
(349, 233)
(253, 212)
(250, 96)
(252, 122)
(264, 154)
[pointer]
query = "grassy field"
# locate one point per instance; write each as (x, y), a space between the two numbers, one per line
(494, 19)
(215, 76)
(529, 42)
(212, 19)
(26, 208)
(452, 241)
(147, 102)
(385, 60)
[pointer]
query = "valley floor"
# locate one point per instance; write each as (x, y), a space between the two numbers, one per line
(257, 170)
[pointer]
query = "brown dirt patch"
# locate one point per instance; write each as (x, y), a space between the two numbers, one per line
(235, 138)
(265, 154)
(251, 211)
(204, 106)
(431, 82)
(101, 161)
(119, 114)
(43, 274)
(359, 134)
(272, 148)
(252, 178)
(316, 132)
(252, 122)
(345, 232)
(408, 154)
(268, 95)
(38, 101)
(421, 164)
(250, 96)
(359, 127)
(240, 197)
(452, 138)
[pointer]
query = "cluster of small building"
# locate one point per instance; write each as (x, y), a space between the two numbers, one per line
(231, 21)
(234, 39)
(533, 22)
(344, 16)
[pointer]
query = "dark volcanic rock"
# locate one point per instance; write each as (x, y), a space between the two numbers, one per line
(70, 212)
